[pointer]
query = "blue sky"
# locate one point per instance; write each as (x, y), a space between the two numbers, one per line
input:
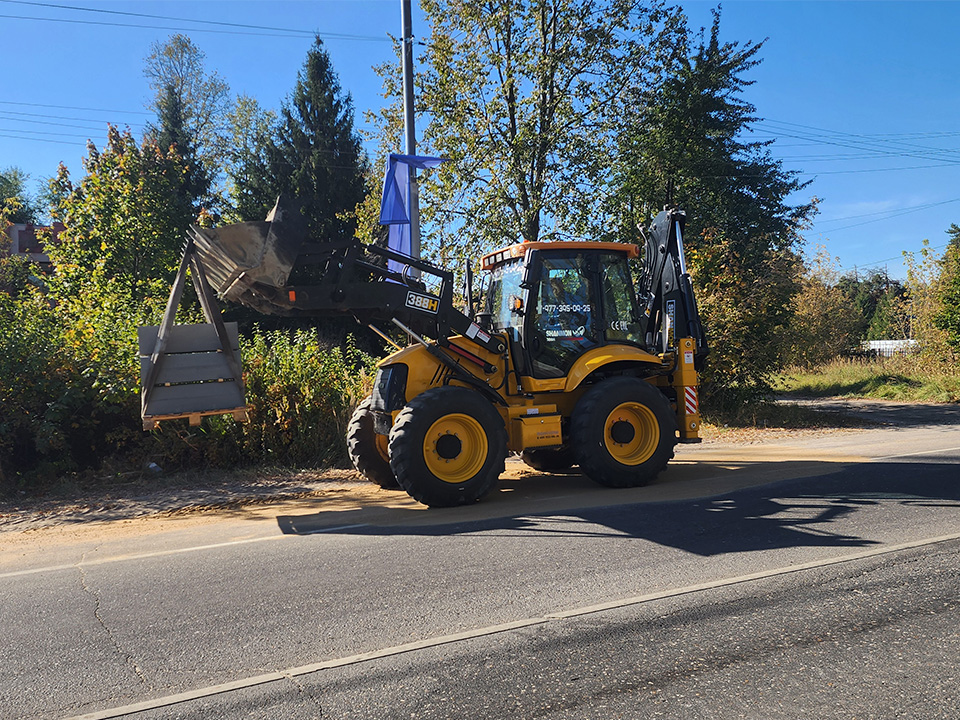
(861, 97)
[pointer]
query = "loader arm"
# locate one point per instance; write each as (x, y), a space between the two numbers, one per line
(251, 263)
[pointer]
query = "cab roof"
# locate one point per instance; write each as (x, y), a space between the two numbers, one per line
(493, 259)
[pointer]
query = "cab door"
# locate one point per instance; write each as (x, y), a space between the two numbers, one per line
(562, 314)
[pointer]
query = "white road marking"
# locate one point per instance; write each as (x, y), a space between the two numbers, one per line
(249, 682)
(911, 454)
(176, 551)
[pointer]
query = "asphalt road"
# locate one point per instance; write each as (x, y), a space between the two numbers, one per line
(811, 576)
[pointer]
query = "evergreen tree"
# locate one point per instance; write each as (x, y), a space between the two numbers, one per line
(873, 297)
(685, 146)
(315, 155)
(173, 133)
(948, 317)
(250, 187)
(203, 97)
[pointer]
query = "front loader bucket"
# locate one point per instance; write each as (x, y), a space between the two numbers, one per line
(237, 256)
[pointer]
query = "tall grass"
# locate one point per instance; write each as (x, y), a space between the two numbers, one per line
(905, 377)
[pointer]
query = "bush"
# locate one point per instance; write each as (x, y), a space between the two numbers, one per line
(69, 386)
(69, 380)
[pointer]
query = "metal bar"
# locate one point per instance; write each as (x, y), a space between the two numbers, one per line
(169, 315)
(382, 334)
(410, 332)
(212, 313)
(680, 256)
(461, 374)
(410, 125)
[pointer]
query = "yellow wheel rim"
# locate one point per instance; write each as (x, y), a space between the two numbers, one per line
(631, 433)
(382, 443)
(455, 448)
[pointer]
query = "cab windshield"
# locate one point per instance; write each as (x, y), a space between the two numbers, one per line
(505, 297)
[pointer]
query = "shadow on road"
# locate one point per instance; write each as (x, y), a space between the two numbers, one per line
(794, 513)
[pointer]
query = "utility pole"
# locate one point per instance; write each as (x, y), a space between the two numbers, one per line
(409, 124)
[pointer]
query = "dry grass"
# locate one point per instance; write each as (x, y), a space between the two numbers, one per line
(908, 378)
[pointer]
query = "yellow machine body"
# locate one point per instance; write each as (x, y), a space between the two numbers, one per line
(534, 410)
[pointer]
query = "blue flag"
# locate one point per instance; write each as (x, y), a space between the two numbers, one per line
(394, 206)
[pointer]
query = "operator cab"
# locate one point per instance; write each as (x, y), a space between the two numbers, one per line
(556, 300)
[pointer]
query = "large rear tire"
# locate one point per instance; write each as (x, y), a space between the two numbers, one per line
(367, 449)
(623, 432)
(447, 447)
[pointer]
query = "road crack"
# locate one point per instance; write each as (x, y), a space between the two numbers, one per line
(95, 596)
(302, 692)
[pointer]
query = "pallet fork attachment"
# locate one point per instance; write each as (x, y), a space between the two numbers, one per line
(190, 371)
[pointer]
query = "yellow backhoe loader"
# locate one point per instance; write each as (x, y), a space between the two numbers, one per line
(566, 360)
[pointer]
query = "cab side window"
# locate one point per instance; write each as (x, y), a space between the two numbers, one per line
(619, 302)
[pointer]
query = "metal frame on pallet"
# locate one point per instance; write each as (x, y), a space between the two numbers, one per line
(167, 330)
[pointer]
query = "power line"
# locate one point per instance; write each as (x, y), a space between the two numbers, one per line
(39, 132)
(874, 139)
(93, 125)
(874, 263)
(858, 142)
(885, 212)
(261, 30)
(55, 142)
(74, 107)
(871, 170)
(57, 117)
(74, 21)
(896, 215)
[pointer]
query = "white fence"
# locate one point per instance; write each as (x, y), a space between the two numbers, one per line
(889, 348)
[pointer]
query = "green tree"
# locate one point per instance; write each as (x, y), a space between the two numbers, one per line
(314, 154)
(888, 321)
(15, 270)
(249, 185)
(947, 318)
(16, 202)
(70, 370)
(125, 219)
(522, 95)
(873, 297)
(174, 133)
(824, 322)
(178, 67)
(685, 146)
(924, 306)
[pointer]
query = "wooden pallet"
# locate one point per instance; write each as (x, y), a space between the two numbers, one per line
(190, 371)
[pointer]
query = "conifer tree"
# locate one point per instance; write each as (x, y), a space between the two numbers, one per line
(685, 146)
(948, 318)
(203, 97)
(174, 133)
(314, 155)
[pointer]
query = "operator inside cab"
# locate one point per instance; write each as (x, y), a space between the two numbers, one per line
(565, 316)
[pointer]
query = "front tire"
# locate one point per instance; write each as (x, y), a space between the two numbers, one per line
(447, 447)
(368, 450)
(623, 432)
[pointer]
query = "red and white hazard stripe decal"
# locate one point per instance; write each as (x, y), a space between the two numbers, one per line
(690, 398)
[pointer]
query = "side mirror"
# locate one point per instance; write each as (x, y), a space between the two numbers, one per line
(531, 269)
